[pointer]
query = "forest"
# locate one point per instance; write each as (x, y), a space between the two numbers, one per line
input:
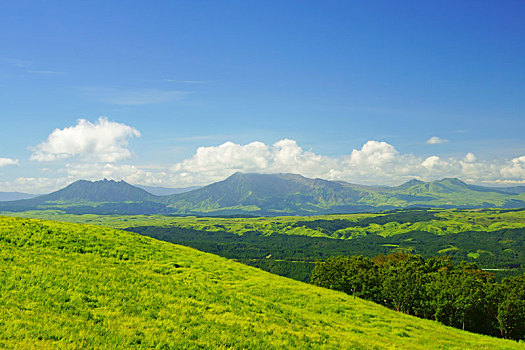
(458, 295)
(294, 255)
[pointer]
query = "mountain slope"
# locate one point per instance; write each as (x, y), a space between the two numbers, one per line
(99, 191)
(101, 197)
(287, 193)
(452, 192)
(70, 286)
(295, 194)
(269, 194)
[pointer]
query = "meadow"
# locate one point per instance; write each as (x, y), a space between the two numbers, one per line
(65, 285)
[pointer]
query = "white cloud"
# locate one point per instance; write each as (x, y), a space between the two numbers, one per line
(434, 140)
(373, 154)
(376, 162)
(227, 157)
(287, 157)
(217, 162)
(8, 161)
(432, 162)
(515, 169)
(103, 141)
(470, 158)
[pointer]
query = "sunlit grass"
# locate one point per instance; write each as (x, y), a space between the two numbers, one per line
(445, 222)
(78, 286)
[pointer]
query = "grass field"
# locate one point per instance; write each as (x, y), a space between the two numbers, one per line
(66, 285)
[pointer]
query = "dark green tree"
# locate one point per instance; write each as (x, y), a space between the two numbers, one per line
(463, 298)
(511, 309)
(402, 283)
(356, 275)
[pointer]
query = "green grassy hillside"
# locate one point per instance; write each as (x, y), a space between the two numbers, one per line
(67, 285)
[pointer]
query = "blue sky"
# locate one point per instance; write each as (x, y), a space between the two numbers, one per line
(328, 77)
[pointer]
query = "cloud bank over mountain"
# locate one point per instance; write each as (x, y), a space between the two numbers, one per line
(101, 150)
(377, 162)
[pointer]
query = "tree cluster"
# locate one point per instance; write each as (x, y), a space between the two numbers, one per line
(461, 296)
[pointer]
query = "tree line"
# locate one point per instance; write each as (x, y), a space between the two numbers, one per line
(458, 295)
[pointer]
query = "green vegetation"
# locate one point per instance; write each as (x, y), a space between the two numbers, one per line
(293, 256)
(274, 194)
(345, 226)
(289, 246)
(269, 195)
(66, 285)
(461, 296)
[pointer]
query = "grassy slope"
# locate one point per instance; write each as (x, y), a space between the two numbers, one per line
(66, 286)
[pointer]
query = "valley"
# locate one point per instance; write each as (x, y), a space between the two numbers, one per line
(293, 246)
(289, 245)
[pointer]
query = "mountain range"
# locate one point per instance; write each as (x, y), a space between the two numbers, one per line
(270, 194)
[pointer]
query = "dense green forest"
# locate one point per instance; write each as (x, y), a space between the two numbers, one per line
(293, 256)
(461, 296)
(71, 286)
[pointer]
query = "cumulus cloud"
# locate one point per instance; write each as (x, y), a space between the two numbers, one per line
(103, 141)
(217, 162)
(515, 169)
(432, 162)
(375, 162)
(8, 161)
(470, 158)
(373, 154)
(228, 156)
(434, 140)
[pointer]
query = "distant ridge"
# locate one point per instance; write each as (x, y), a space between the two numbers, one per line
(99, 191)
(513, 190)
(82, 193)
(13, 196)
(270, 194)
